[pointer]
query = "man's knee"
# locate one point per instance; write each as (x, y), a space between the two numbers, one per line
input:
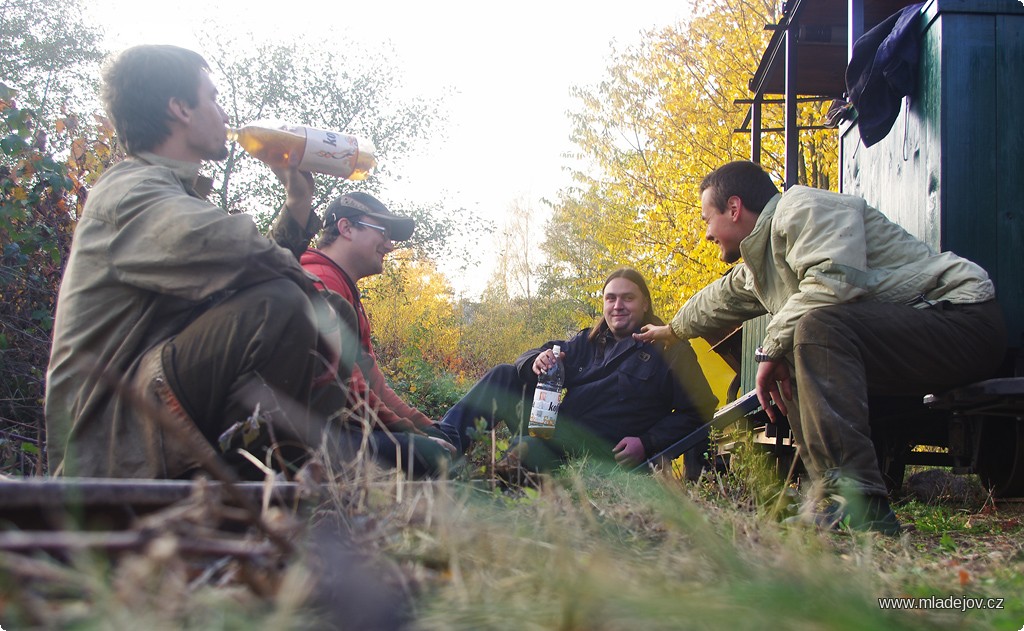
(497, 396)
(501, 389)
(281, 303)
(503, 373)
(251, 330)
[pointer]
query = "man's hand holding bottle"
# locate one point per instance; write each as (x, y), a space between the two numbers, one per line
(545, 361)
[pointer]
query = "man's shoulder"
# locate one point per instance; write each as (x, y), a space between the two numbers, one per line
(313, 257)
(321, 265)
(133, 178)
(799, 190)
(803, 208)
(132, 167)
(806, 197)
(132, 184)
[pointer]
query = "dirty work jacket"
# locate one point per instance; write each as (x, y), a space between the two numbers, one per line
(812, 248)
(367, 378)
(629, 389)
(148, 255)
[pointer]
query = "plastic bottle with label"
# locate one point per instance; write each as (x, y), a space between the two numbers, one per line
(546, 398)
(317, 150)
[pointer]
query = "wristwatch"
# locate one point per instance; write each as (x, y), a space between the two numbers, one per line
(761, 356)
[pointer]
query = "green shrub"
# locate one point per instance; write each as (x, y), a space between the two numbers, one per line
(35, 230)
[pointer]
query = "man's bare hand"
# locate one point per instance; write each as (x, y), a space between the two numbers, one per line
(629, 452)
(545, 361)
(773, 384)
(656, 333)
(447, 445)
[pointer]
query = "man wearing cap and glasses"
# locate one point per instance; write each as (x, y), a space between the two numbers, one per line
(359, 231)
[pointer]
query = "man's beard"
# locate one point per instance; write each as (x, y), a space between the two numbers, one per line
(219, 154)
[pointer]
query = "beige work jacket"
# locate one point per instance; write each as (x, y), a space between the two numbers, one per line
(812, 248)
(148, 255)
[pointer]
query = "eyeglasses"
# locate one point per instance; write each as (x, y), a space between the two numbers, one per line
(384, 231)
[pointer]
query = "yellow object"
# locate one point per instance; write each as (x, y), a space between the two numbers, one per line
(719, 377)
(716, 371)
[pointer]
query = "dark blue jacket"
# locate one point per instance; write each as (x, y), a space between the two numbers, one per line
(630, 389)
(882, 70)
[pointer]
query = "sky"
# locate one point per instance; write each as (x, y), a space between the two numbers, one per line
(506, 67)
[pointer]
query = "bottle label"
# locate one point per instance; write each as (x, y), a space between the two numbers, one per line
(329, 152)
(545, 408)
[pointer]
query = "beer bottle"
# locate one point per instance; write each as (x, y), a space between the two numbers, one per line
(546, 398)
(320, 151)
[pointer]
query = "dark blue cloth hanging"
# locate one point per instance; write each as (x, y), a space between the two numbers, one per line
(882, 70)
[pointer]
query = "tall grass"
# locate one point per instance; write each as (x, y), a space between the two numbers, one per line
(591, 549)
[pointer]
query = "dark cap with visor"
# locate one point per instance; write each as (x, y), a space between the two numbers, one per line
(358, 204)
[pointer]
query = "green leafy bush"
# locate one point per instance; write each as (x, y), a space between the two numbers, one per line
(35, 233)
(425, 386)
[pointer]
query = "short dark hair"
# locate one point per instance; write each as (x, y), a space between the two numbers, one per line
(138, 85)
(743, 179)
(328, 236)
(331, 232)
(637, 279)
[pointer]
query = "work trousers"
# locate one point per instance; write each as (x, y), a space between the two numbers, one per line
(843, 353)
(268, 351)
(502, 395)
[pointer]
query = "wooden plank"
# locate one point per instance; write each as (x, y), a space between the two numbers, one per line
(69, 492)
(112, 504)
(66, 542)
(753, 335)
(792, 132)
(969, 133)
(978, 6)
(900, 174)
(1009, 186)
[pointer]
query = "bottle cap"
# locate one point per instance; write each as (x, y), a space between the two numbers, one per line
(556, 349)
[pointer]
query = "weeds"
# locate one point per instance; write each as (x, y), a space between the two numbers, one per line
(591, 548)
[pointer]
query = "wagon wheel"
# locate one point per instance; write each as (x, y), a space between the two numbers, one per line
(1001, 457)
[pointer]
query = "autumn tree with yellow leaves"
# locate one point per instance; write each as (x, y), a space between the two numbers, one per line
(415, 329)
(433, 346)
(665, 116)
